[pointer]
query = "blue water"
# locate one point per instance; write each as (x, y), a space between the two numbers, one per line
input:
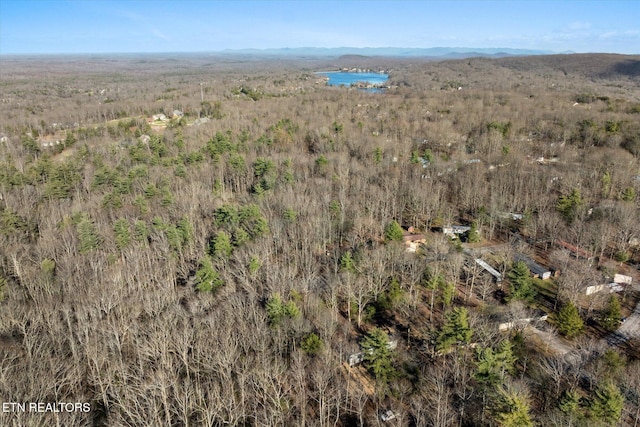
(337, 78)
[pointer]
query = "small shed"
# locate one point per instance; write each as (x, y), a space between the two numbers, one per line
(490, 269)
(387, 416)
(536, 269)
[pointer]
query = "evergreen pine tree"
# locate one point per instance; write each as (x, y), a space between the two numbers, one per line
(513, 409)
(87, 234)
(569, 205)
(570, 402)
(612, 314)
(140, 231)
(347, 263)
(278, 310)
(473, 235)
(393, 232)
(221, 245)
(378, 356)
(122, 233)
(186, 230)
(207, 278)
(521, 284)
(254, 265)
(455, 330)
(312, 344)
(607, 404)
(569, 322)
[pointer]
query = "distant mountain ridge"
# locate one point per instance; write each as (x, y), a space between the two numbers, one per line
(439, 52)
(591, 65)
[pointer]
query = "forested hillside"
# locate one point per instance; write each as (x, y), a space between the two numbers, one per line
(190, 241)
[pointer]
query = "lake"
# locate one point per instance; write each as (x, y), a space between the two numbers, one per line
(338, 78)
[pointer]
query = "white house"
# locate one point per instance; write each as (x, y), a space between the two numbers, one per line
(455, 230)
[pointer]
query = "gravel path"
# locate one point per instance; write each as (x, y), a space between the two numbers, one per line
(630, 328)
(552, 341)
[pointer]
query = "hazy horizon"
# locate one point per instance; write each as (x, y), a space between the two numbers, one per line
(164, 26)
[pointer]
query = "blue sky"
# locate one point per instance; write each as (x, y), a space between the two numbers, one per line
(104, 26)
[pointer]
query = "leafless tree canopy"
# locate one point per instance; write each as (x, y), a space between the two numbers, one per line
(193, 240)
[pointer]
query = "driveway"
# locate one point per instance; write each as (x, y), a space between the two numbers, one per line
(630, 328)
(552, 341)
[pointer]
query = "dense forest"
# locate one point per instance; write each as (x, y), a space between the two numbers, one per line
(202, 241)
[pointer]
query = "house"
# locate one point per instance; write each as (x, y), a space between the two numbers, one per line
(511, 215)
(609, 287)
(455, 230)
(622, 279)
(505, 325)
(413, 241)
(536, 269)
(490, 269)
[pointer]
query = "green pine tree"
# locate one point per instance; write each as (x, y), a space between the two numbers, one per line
(570, 402)
(347, 263)
(312, 344)
(521, 283)
(377, 155)
(207, 278)
(254, 265)
(275, 310)
(473, 235)
(455, 329)
(612, 314)
(174, 237)
(378, 357)
(447, 293)
(492, 365)
(122, 233)
(393, 232)
(569, 322)
(185, 229)
(140, 231)
(607, 404)
(629, 194)
(87, 235)
(220, 246)
(570, 205)
(278, 310)
(512, 409)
